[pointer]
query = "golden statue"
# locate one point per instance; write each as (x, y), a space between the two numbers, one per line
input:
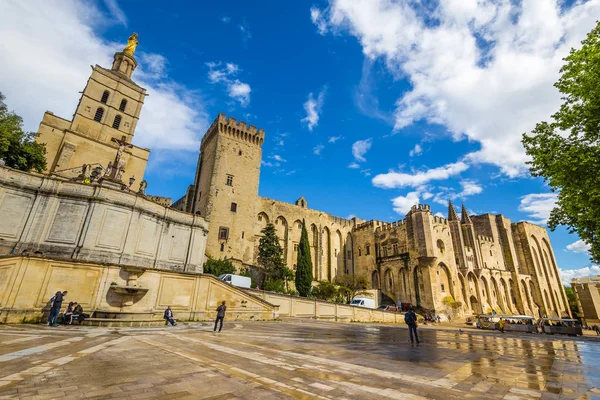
(132, 43)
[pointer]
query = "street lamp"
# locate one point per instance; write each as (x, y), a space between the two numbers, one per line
(131, 180)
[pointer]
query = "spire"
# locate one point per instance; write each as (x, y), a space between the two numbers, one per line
(452, 216)
(464, 217)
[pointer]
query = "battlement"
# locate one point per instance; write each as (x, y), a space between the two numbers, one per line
(388, 226)
(420, 207)
(237, 129)
(440, 220)
(482, 238)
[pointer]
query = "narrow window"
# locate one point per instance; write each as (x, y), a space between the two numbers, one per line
(260, 217)
(359, 252)
(295, 247)
(104, 98)
(240, 153)
(491, 254)
(229, 180)
(233, 207)
(349, 254)
(99, 114)
(222, 246)
(117, 122)
(223, 233)
(123, 105)
(368, 250)
(242, 235)
(443, 288)
(395, 248)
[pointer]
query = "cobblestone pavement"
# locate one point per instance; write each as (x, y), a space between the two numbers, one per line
(291, 359)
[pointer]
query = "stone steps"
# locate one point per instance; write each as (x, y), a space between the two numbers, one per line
(111, 322)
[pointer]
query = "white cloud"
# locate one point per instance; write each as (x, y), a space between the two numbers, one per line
(317, 18)
(116, 12)
(277, 158)
(579, 247)
(317, 149)
(538, 206)
(403, 204)
(225, 20)
(366, 172)
(49, 61)
(360, 148)
(333, 139)
(246, 34)
(416, 151)
(313, 107)
(567, 275)
(469, 188)
(400, 179)
(354, 165)
(483, 69)
(439, 214)
(225, 73)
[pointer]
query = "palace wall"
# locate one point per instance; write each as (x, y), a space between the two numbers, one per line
(28, 283)
(52, 217)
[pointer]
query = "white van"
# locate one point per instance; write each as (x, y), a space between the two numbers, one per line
(363, 302)
(236, 280)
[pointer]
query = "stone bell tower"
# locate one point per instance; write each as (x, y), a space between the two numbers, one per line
(109, 108)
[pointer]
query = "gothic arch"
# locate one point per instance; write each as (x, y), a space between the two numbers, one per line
(348, 256)
(446, 283)
(338, 252)
(404, 284)
(505, 295)
(526, 297)
(375, 284)
(281, 227)
(388, 280)
(486, 292)
(463, 288)
(313, 235)
(496, 294)
(327, 253)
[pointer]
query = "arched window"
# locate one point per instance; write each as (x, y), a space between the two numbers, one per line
(104, 98)
(99, 114)
(117, 122)
(123, 105)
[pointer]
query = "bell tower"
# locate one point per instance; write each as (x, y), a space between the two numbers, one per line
(109, 108)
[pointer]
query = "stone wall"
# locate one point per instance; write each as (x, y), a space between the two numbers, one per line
(28, 283)
(300, 307)
(51, 217)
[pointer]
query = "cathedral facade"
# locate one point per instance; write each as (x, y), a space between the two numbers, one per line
(467, 265)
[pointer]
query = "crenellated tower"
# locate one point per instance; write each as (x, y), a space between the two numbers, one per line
(226, 184)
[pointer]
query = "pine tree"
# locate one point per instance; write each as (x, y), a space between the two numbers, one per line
(270, 255)
(304, 265)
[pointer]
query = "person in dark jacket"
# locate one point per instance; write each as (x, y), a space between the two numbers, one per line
(77, 313)
(55, 308)
(67, 313)
(411, 320)
(220, 315)
(169, 316)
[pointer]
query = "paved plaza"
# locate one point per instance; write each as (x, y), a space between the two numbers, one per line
(291, 359)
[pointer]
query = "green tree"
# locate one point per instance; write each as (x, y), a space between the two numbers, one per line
(351, 286)
(570, 294)
(566, 151)
(325, 291)
(270, 256)
(304, 265)
(18, 148)
(218, 267)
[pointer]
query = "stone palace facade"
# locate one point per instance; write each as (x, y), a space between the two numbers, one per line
(483, 262)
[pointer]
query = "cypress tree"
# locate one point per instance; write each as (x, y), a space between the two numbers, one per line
(304, 265)
(270, 255)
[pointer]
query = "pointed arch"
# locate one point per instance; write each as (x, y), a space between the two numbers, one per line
(375, 284)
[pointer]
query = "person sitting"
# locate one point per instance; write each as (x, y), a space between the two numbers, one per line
(66, 318)
(77, 313)
(169, 316)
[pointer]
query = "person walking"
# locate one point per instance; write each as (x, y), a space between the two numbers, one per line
(55, 308)
(220, 315)
(169, 316)
(411, 320)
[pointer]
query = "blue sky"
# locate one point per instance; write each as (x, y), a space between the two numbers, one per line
(368, 106)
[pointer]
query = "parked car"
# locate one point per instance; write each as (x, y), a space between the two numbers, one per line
(363, 302)
(236, 280)
(387, 308)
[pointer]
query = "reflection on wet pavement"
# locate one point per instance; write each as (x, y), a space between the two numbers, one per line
(294, 359)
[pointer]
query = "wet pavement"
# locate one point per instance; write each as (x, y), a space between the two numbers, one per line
(292, 359)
